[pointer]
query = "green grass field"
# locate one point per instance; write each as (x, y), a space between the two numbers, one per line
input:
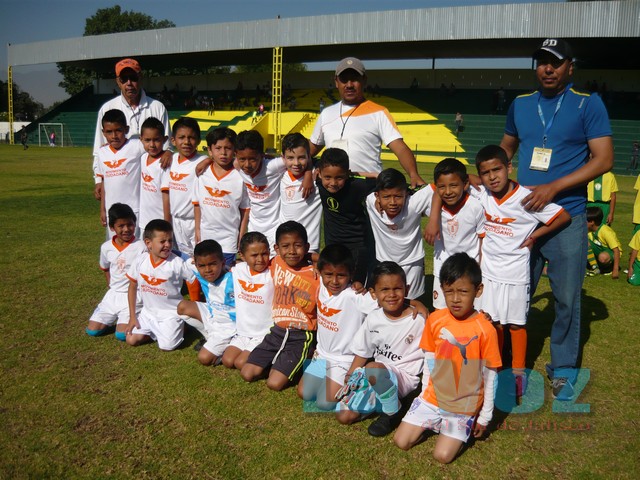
(72, 406)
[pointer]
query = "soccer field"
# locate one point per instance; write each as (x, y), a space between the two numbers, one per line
(72, 406)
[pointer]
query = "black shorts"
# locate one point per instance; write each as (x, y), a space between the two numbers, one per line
(284, 350)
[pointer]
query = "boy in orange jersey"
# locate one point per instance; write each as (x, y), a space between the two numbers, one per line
(292, 339)
(459, 374)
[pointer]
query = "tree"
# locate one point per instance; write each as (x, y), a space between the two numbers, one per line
(106, 20)
(24, 106)
(286, 67)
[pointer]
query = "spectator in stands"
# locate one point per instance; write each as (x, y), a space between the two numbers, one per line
(359, 126)
(136, 106)
(459, 123)
(555, 129)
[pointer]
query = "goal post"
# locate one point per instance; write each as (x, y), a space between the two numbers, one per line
(53, 134)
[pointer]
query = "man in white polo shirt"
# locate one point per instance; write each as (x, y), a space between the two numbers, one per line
(359, 126)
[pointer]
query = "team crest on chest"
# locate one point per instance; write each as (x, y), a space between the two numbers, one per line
(452, 227)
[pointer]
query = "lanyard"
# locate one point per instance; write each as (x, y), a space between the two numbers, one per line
(547, 127)
(344, 123)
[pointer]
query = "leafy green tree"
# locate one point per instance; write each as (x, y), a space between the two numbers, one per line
(287, 67)
(24, 106)
(106, 20)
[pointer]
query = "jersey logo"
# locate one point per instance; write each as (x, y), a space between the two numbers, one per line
(452, 227)
(152, 280)
(176, 177)
(503, 221)
(256, 188)
(214, 192)
(333, 204)
(327, 312)
(115, 164)
(448, 336)
(250, 287)
(290, 192)
(146, 178)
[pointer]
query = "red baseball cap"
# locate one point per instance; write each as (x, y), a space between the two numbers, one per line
(127, 63)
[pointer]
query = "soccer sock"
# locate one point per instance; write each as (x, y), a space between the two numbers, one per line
(121, 336)
(518, 348)
(591, 259)
(96, 333)
(194, 290)
(389, 398)
(195, 323)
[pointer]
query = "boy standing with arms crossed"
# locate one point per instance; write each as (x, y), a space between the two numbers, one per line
(292, 339)
(511, 232)
(461, 355)
(220, 201)
(181, 180)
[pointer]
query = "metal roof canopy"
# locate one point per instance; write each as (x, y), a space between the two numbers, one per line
(603, 34)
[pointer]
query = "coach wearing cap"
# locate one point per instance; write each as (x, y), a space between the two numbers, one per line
(360, 126)
(135, 104)
(564, 140)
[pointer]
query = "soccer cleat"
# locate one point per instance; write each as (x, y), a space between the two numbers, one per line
(562, 389)
(384, 424)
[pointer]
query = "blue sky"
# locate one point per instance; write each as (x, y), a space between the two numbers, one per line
(24, 21)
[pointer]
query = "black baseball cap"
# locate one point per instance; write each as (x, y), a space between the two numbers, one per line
(557, 47)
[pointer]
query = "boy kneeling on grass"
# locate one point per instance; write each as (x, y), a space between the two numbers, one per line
(460, 361)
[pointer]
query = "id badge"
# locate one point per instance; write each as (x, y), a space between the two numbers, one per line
(540, 159)
(342, 144)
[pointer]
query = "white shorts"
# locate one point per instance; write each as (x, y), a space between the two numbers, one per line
(438, 296)
(113, 309)
(506, 303)
(426, 415)
(245, 343)
(415, 278)
(167, 330)
(406, 383)
(184, 231)
(218, 336)
(321, 367)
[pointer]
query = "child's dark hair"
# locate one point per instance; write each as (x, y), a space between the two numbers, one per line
(120, 211)
(221, 133)
(152, 123)
(186, 122)
(334, 157)
(157, 225)
(295, 140)
(388, 268)
(391, 178)
(208, 247)
(460, 265)
(291, 227)
(250, 139)
(336, 255)
(252, 237)
(595, 215)
(450, 166)
(114, 116)
(491, 152)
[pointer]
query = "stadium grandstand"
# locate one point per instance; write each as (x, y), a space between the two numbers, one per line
(423, 102)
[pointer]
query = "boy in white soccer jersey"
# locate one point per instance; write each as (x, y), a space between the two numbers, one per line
(118, 166)
(218, 314)
(116, 256)
(395, 217)
(253, 288)
(510, 233)
(341, 312)
(262, 178)
(154, 203)
(180, 182)
(293, 205)
(390, 335)
(220, 201)
(461, 356)
(461, 220)
(158, 277)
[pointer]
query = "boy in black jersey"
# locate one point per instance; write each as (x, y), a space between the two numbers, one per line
(345, 214)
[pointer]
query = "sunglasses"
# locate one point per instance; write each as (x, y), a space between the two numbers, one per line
(129, 77)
